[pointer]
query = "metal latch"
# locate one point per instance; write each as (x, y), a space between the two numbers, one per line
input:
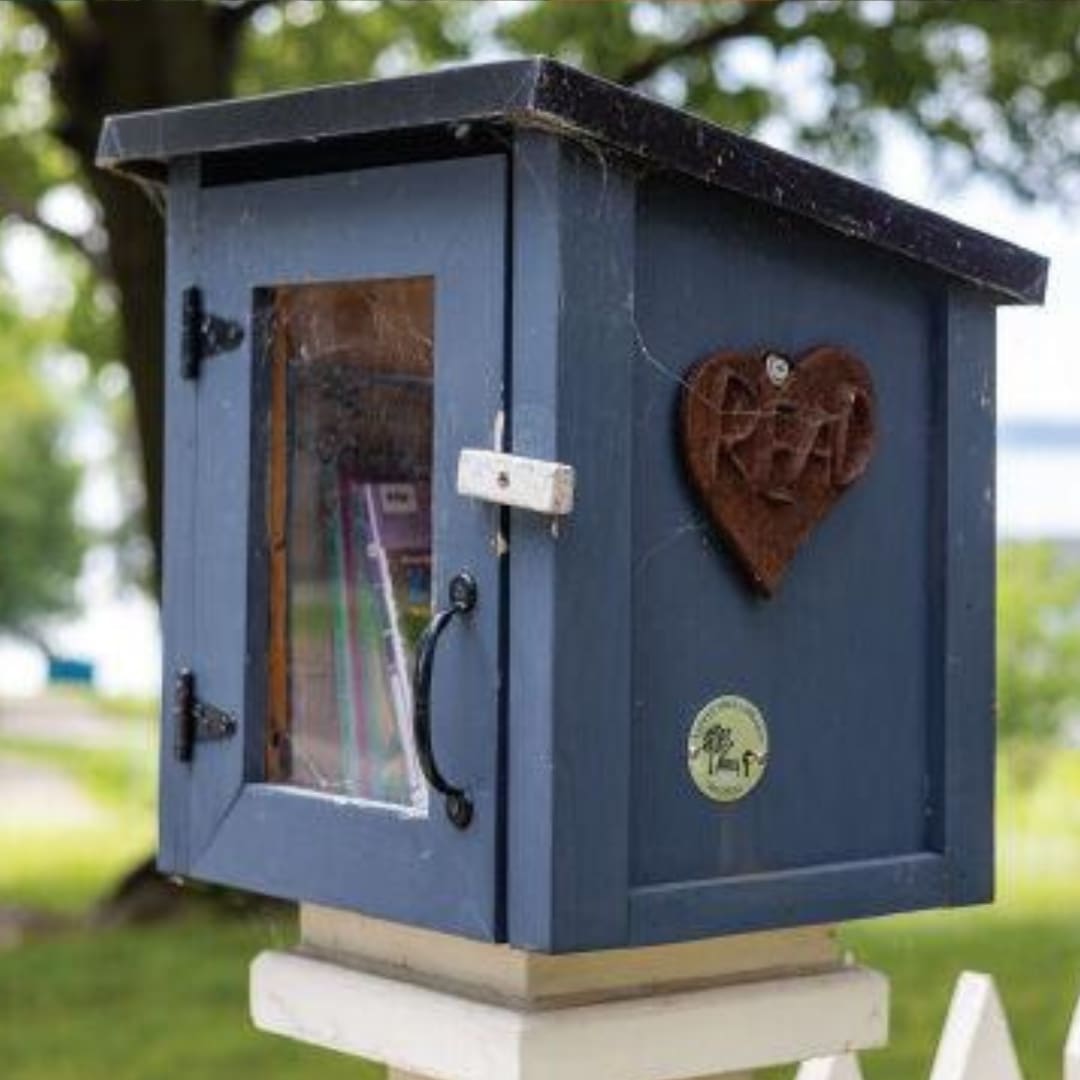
(194, 720)
(528, 483)
(203, 335)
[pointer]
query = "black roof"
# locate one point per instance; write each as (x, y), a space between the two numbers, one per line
(539, 92)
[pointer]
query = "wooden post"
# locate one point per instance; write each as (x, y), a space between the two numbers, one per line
(435, 1007)
(398, 1074)
(841, 1067)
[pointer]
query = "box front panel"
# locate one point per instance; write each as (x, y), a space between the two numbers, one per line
(841, 664)
(327, 531)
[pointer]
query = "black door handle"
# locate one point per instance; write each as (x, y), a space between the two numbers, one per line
(459, 807)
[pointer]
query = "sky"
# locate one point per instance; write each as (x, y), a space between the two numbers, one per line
(1038, 375)
(1039, 385)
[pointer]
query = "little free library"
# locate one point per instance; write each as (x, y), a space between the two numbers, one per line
(579, 518)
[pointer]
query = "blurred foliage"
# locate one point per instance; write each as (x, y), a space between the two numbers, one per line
(993, 88)
(1038, 642)
(295, 45)
(41, 546)
(121, 777)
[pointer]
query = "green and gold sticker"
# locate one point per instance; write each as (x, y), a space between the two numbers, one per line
(728, 748)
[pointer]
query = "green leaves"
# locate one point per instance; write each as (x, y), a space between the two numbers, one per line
(300, 44)
(993, 87)
(41, 546)
(1038, 640)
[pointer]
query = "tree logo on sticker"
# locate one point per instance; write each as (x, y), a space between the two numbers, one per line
(728, 749)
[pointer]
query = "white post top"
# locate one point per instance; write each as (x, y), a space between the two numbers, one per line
(537, 980)
(440, 1008)
(668, 1036)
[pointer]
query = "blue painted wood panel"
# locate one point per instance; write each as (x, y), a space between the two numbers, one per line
(570, 621)
(873, 663)
(964, 749)
(447, 220)
(180, 640)
(839, 659)
(566, 700)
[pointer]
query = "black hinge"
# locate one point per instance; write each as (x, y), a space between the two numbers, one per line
(203, 335)
(194, 720)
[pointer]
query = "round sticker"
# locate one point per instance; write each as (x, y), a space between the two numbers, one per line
(728, 748)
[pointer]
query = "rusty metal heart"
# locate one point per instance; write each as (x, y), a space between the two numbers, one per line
(770, 445)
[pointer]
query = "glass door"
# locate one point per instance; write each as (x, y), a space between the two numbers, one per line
(328, 530)
(351, 425)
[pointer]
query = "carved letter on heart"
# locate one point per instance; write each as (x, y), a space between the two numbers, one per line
(770, 445)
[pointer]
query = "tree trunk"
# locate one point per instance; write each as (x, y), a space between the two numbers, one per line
(137, 258)
(118, 56)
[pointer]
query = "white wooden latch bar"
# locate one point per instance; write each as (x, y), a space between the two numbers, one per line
(546, 487)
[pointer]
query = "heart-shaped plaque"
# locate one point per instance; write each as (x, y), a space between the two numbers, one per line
(771, 444)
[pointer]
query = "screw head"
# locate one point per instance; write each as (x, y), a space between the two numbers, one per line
(463, 591)
(777, 368)
(459, 809)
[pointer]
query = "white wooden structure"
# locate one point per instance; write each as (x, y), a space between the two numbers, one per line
(546, 487)
(845, 1067)
(975, 1045)
(434, 1007)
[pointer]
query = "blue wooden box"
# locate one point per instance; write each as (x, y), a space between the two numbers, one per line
(365, 280)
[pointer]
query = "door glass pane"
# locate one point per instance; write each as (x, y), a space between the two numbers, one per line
(350, 521)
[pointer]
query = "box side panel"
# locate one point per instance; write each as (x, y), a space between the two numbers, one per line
(845, 660)
(569, 685)
(966, 664)
(179, 524)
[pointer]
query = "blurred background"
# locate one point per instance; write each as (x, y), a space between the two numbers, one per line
(970, 107)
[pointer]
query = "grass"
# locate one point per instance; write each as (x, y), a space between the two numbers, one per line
(138, 1002)
(121, 777)
(146, 1002)
(1029, 940)
(1033, 956)
(65, 870)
